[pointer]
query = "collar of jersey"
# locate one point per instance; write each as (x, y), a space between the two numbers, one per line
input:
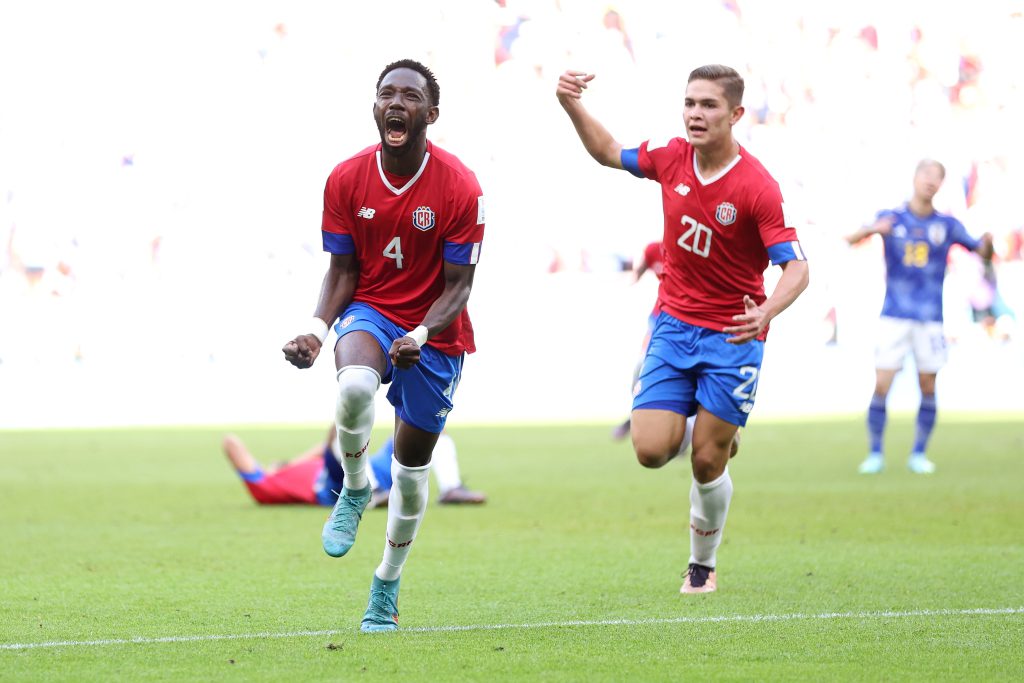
(696, 169)
(412, 181)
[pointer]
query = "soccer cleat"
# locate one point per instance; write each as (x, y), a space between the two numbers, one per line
(920, 464)
(699, 579)
(340, 528)
(621, 431)
(382, 610)
(462, 496)
(873, 464)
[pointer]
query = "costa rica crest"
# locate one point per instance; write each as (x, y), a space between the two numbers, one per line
(423, 218)
(725, 213)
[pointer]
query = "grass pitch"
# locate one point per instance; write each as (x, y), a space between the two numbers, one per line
(137, 555)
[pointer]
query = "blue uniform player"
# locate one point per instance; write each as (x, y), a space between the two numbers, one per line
(917, 240)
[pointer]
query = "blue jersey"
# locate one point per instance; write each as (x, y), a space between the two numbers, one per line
(916, 250)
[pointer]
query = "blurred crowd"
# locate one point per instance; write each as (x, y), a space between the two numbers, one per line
(164, 184)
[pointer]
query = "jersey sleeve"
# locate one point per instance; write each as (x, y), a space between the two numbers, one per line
(648, 160)
(958, 234)
(465, 237)
(776, 228)
(334, 226)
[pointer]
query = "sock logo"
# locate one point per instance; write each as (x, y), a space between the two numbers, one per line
(398, 545)
(702, 532)
(360, 453)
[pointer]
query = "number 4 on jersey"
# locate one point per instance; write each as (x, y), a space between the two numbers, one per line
(394, 250)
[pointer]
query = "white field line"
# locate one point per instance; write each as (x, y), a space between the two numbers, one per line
(739, 618)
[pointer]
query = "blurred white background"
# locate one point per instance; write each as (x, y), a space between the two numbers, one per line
(162, 168)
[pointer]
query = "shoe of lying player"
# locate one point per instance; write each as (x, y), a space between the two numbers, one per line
(462, 496)
(699, 579)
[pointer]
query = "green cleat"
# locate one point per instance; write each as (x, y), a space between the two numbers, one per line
(873, 464)
(339, 532)
(382, 610)
(920, 464)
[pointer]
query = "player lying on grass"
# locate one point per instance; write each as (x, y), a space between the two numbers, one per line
(315, 477)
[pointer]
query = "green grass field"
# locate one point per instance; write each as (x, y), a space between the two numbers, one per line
(571, 571)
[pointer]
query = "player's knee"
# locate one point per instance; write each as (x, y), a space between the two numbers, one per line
(651, 457)
(357, 386)
(708, 464)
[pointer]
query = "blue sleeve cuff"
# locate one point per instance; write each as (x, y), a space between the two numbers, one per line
(631, 161)
(337, 243)
(462, 254)
(786, 251)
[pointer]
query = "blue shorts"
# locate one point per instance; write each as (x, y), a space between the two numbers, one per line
(421, 395)
(688, 365)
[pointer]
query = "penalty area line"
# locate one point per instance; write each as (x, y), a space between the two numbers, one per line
(738, 618)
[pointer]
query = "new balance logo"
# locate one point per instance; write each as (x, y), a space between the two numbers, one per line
(366, 213)
(683, 189)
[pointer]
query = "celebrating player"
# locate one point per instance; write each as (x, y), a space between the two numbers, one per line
(724, 221)
(403, 221)
(917, 240)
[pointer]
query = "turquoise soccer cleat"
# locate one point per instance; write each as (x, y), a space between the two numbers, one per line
(382, 610)
(920, 464)
(873, 464)
(339, 532)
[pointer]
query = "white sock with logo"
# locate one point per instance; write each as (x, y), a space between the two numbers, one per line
(357, 386)
(445, 465)
(709, 505)
(406, 505)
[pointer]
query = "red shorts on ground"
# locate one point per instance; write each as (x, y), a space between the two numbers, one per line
(292, 483)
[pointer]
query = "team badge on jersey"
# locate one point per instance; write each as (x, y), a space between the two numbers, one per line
(423, 218)
(936, 233)
(725, 213)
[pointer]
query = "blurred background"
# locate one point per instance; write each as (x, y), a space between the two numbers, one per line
(162, 168)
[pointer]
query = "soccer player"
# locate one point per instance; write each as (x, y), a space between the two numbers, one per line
(917, 240)
(724, 222)
(315, 477)
(653, 262)
(403, 221)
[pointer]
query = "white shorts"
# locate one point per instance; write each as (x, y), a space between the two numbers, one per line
(898, 336)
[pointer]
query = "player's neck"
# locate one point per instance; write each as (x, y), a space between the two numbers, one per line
(921, 207)
(408, 162)
(711, 160)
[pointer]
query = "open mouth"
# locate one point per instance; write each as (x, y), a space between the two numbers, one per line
(395, 130)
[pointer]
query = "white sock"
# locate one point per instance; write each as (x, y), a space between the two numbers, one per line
(709, 505)
(687, 437)
(445, 465)
(357, 386)
(406, 505)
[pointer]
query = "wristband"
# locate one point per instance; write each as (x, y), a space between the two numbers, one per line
(419, 335)
(319, 329)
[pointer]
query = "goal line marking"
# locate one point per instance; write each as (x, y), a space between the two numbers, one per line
(738, 618)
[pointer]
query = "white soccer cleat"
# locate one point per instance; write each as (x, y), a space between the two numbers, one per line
(920, 464)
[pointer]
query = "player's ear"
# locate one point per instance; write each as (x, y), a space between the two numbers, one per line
(737, 114)
(432, 115)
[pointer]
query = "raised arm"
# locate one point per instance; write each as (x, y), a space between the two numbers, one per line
(458, 282)
(880, 227)
(336, 293)
(595, 137)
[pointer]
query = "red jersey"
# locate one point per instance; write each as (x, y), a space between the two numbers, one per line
(719, 232)
(655, 263)
(402, 233)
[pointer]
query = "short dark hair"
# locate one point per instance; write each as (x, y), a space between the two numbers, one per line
(432, 86)
(731, 81)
